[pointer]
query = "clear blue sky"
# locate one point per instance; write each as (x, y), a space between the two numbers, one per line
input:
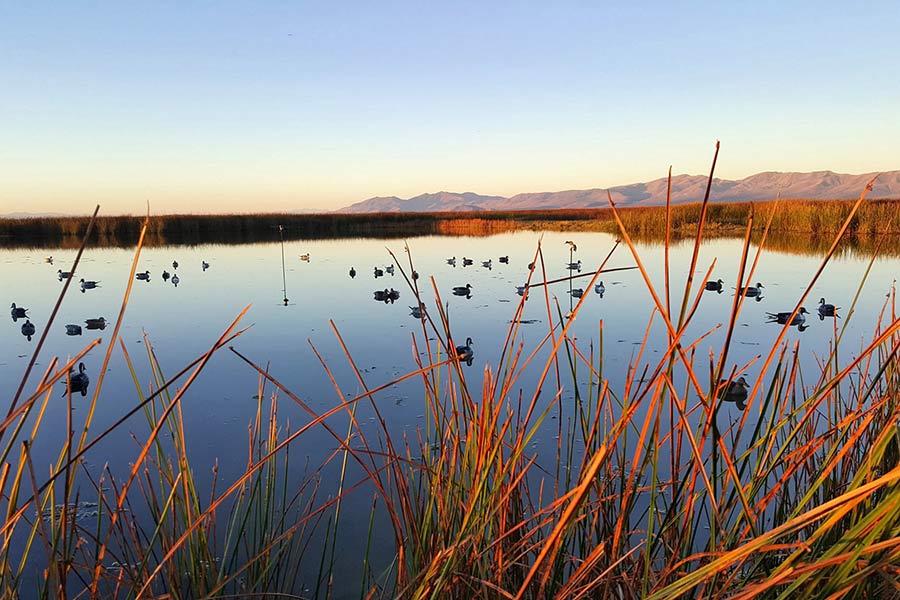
(270, 106)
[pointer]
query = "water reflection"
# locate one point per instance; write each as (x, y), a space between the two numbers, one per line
(28, 329)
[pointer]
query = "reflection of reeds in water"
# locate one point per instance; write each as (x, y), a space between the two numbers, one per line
(654, 490)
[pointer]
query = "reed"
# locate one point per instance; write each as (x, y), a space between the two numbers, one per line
(651, 491)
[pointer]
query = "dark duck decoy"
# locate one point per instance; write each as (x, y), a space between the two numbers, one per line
(98, 323)
(467, 261)
(782, 317)
(486, 264)
(827, 310)
(463, 290)
(72, 329)
(88, 285)
(78, 382)
(600, 289)
(466, 352)
(714, 286)
(28, 329)
(17, 312)
(753, 291)
(175, 279)
(174, 264)
(352, 272)
(204, 265)
(165, 275)
(577, 293)
(451, 261)
(145, 276)
(735, 391)
(389, 270)
(48, 259)
(378, 272)
(575, 266)
(504, 260)
(60, 274)
(417, 311)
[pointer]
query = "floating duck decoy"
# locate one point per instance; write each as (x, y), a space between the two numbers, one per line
(389, 269)
(504, 260)
(466, 352)
(600, 289)
(352, 272)
(73, 329)
(827, 310)
(782, 317)
(753, 291)
(463, 290)
(17, 312)
(522, 289)
(735, 391)
(204, 265)
(575, 266)
(304, 257)
(451, 261)
(415, 275)
(98, 323)
(78, 382)
(714, 286)
(165, 275)
(531, 266)
(467, 261)
(417, 311)
(174, 264)
(486, 264)
(577, 293)
(378, 272)
(28, 329)
(88, 284)
(48, 259)
(60, 274)
(572, 245)
(145, 276)
(175, 279)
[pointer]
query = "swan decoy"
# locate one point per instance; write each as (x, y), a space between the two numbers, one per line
(451, 261)
(205, 265)
(504, 260)
(78, 382)
(463, 290)
(575, 266)
(145, 276)
(98, 323)
(714, 286)
(466, 352)
(352, 272)
(88, 284)
(577, 293)
(486, 263)
(735, 391)
(304, 257)
(600, 289)
(165, 275)
(63, 274)
(827, 310)
(753, 291)
(17, 312)
(174, 264)
(28, 329)
(72, 329)
(782, 317)
(378, 272)
(175, 279)
(389, 269)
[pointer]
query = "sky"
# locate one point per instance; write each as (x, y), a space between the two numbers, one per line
(212, 107)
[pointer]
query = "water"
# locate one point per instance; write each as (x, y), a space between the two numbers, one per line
(183, 322)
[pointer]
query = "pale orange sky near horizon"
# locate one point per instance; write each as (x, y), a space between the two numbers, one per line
(234, 109)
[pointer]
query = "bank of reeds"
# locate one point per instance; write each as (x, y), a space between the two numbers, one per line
(655, 490)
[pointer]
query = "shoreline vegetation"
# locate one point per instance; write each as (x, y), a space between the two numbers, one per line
(820, 219)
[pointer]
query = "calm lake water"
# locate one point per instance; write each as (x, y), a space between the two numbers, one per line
(183, 322)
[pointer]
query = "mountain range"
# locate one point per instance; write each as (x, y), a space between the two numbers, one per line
(818, 185)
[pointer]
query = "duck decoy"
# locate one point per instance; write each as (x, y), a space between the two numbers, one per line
(486, 263)
(378, 272)
(174, 264)
(88, 284)
(753, 291)
(504, 260)
(389, 269)
(204, 265)
(600, 289)
(577, 293)
(572, 246)
(531, 266)
(467, 261)
(73, 329)
(165, 275)
(714, 286)
(17, 312)
(175, 279)
(304, 257)
(827, 310)
(98, 323)
(381, 295)
(782, 317)
(451, 261)
(575, 266)
(28, 329)
(463, 290)
(60, 274)
(77, 382)
(417, 311)
(145, 276)
(48, 259)
(352, 272)
(466, 352)
(415, 275)
(522, 289)
(735, 391)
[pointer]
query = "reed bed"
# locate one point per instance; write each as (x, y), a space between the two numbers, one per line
(651, 492)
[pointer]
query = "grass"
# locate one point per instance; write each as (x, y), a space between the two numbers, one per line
(650, 493)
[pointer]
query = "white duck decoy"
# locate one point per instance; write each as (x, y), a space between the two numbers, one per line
(735, 391)
(463, 290)
(175, 279)
(17, 312)
(714, 286)
(304, 257)
(88, 284)
(466, 352)
(204, 265)
(600, 289)
(352, 272)
(78, 382)
(28, 329)
(72, 329)
(577, 293)
(827, 310)
(145, 276)
(98, 323)
(753, 291)
(60, 274)
(782, 317)
(575, 266)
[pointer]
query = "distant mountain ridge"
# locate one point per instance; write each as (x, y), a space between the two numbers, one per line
(818, 185)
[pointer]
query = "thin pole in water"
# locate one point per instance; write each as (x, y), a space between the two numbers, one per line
(283, 276)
